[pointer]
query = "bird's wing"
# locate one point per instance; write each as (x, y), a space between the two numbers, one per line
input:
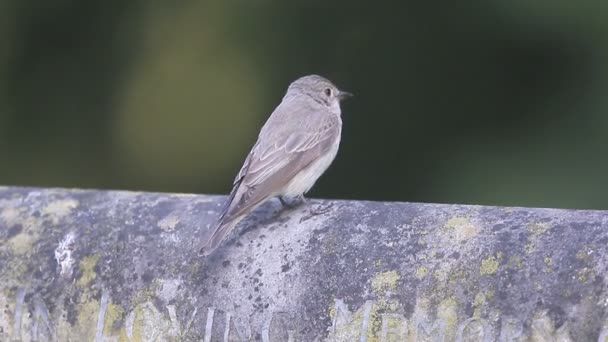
(283, 149)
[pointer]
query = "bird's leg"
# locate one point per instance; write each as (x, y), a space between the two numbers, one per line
(319, 210)
(292, 202)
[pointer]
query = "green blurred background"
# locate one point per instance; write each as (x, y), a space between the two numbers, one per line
(486, 102)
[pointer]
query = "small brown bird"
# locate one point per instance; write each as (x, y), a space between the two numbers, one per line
(296, 145)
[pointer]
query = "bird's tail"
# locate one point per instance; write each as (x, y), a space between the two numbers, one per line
(220, 232)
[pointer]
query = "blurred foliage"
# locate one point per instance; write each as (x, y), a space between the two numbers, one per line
(482, 102)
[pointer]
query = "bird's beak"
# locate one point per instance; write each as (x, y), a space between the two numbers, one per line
(342, 95)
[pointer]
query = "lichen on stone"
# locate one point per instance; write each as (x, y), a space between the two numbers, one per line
(421, 272)
(489, 266)
(87, 269)
(385, 281)
(168, 223)
(462, 228)
(538, 228)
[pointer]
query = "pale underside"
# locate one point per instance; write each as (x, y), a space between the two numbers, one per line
(296, 145)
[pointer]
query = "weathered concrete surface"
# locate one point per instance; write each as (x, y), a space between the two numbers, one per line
(122, 266)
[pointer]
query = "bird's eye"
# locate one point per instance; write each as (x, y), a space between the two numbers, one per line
(327, 92)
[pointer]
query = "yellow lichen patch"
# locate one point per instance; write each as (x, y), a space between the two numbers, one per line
(535, 229)
(64, 329)
(113, 314)
(448, 312)
(332, 311)
(481, 300)
(57, 210)
(538, 228)
(375, 318)
(88, 310)
(385, 281)
(374, 324)
(489, 266)
(462, 228)
(85, 329)
(367, 320)
(169, 223)
(585, 274)
(147, 293)
(145, 322)
(350, 330)
(87, 266)
(22, 243)
(387, 304)
(421, 272)
(543, 329)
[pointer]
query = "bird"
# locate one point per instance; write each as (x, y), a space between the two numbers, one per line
(295, 146)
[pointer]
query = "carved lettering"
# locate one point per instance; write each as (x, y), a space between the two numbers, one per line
(341, 315)
(511, 330)
(427, 331)
(231, 330)
(394, 328)
(241, 327)
(175, 324)
(266, 329)
(474, 329)
(174, 321)
(103, 306)
(278, 325)
(227, 329)
(365, 320)
(16, 335)
(209, 325)
(42, 329)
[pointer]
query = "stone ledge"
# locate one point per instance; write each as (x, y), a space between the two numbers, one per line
(87, 265)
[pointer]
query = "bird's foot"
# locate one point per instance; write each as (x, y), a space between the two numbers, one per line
(319, 210)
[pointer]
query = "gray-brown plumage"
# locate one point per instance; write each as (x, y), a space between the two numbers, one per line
(295, 146)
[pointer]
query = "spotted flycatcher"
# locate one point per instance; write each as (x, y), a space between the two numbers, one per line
(296, 145)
